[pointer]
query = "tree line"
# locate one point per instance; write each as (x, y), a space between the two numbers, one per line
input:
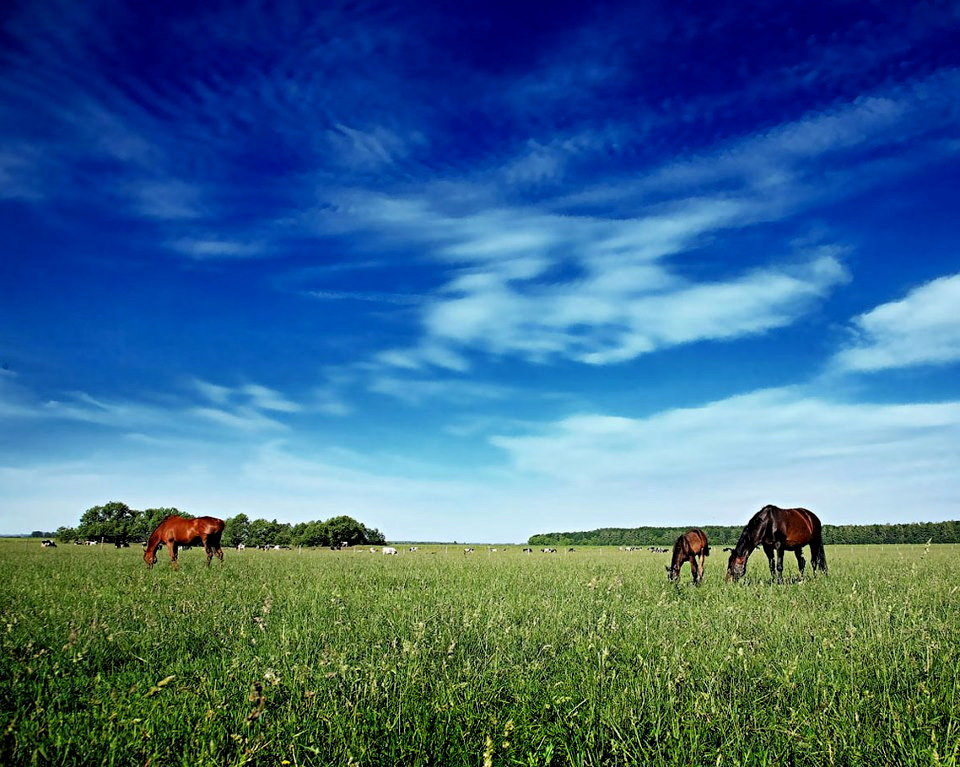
(117, 523)
(727, 535)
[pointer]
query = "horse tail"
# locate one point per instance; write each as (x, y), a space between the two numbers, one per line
(706, 551)
(818, 556)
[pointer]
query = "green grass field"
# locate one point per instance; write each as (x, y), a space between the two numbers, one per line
(434, 657)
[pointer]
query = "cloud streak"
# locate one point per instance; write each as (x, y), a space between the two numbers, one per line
(922, 328)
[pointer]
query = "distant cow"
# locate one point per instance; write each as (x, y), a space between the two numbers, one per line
(528, 551)
(569, 550)
(414, 548)
(389, 550)
(468, 551)
(240, 547)
(48, 544)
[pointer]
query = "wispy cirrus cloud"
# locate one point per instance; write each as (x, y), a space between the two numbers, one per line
(545, 286)
(415, 391)
(616, 316)
(556, 279)
(922, 328)
(248, 408)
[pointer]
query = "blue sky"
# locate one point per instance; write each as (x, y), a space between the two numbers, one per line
(480, 272)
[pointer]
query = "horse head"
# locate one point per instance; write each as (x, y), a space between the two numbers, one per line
(672, 573)
(150, 557)
(736, 566)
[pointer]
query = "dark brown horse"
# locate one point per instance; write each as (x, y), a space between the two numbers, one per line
(176, 531)
(690, 547)
(778, 530)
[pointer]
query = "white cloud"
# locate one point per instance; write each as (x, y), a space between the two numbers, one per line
(241, 409)
(852, 462)
(240, 418)
(856, 463)
(923, 328)
(616, 314)
(419, 390)
(263, 398)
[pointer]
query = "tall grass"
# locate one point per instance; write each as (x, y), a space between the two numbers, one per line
(437, 658)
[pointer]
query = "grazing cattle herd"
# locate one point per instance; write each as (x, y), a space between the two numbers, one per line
(773, 529)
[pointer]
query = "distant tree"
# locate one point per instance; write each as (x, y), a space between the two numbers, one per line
(236, 530)
(67, 534)
(314, 533)
(373, 536)
(725, 535)
(346, 530)
(41, 534)
(114, 522)
(279, 533)
(258, 532)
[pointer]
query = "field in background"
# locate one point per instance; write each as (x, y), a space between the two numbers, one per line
(433, 657)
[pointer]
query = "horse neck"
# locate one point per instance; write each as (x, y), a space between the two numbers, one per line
(153, 543)
(677, 555)
(749, 539)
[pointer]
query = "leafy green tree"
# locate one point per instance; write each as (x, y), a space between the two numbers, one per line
(258, 532)
(114, 522)
(346, 530)
(236, 530)
(312, 533)
(279, 533)
(66, 534)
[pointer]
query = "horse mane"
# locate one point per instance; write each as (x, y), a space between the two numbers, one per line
(678, 547)
(750, 536)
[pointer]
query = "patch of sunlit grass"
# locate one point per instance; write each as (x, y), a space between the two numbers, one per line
(316, 657)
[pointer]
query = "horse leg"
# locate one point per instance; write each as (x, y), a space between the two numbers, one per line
(207, 548)
(172, 546)
(779, 565)
(768, 550)
(801, 562)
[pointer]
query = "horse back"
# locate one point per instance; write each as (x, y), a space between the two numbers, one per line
(209, 525)
(796, 527)
(695, 542)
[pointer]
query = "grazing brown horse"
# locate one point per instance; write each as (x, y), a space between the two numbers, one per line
(778, 530)
(176, 531)
(690, 547)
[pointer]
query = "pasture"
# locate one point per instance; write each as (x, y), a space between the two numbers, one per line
(437, 658)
